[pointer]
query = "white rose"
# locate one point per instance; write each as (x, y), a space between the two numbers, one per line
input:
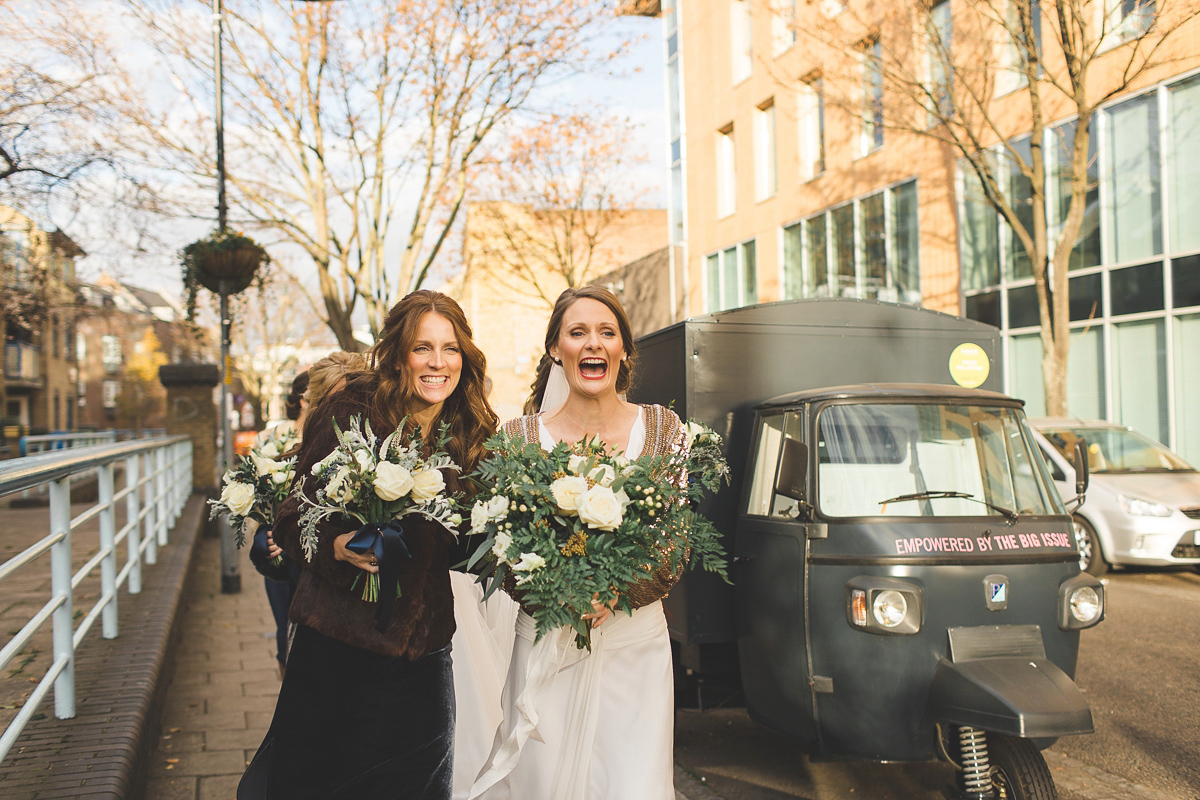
(575, 463)
(364, 459)
(501, 545)
(337, 490)
(600, 508)
(529, 563)
(479, 516)
(692, 430)
(497, 507)
(392, 481)
(270, 449)
(238, 498)
(266, 466)
(566, 492)
(427, 484)
(603, 474)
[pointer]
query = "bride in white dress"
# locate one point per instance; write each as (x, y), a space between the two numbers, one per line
(581, 725)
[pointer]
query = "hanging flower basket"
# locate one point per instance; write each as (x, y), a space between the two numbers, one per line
(221, 256)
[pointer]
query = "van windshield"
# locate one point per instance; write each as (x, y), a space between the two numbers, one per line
(1116, 450)
(929, 460)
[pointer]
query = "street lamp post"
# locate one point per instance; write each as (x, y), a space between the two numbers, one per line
(231, 579)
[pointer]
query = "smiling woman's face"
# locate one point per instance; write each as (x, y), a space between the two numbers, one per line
(590, 348)
(435, 362)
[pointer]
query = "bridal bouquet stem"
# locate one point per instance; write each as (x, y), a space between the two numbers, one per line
(577, 524)
(256, 486)
(375, 483)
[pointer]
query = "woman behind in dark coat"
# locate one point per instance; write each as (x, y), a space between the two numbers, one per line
(364, 714)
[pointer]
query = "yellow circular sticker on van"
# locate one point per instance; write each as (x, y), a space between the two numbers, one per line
(969, 365)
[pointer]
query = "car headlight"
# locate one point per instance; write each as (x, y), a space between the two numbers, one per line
(1080, 602)
(883, 605)
(1144, 508)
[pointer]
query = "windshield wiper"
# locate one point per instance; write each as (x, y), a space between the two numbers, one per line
(935, 494)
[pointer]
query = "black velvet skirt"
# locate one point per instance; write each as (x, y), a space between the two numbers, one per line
(354, 724)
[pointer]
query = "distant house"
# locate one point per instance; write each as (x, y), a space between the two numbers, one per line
(37, 290)
(123, 333)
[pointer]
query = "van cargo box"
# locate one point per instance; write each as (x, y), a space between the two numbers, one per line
(716, 368)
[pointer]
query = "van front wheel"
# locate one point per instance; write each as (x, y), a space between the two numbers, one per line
(1018, 770)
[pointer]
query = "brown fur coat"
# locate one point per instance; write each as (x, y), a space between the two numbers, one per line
(423, 618)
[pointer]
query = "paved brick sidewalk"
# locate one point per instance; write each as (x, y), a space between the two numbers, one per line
(222, 695)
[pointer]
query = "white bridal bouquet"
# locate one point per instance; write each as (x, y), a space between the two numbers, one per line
(257, 485)
(376, 483)
(577, 522)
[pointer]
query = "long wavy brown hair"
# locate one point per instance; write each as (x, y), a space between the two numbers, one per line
(466, 412)
(554, 330)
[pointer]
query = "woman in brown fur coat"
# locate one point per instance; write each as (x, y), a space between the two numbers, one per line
(365, 713)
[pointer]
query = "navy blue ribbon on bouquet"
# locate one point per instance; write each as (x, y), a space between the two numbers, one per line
(386, 541)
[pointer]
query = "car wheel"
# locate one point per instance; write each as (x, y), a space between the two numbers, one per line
(1091, 557)
(1019, 770)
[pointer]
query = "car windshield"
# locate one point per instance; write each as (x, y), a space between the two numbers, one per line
(1116, 450)
(929, 460)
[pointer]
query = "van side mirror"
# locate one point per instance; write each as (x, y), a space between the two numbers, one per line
(1082, 475)
(793, 470)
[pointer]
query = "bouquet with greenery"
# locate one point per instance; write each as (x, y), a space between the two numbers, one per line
(377, 482)
(576, 524)
(257, 485)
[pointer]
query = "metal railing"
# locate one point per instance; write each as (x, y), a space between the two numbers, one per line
(40, 443)
(157, 483)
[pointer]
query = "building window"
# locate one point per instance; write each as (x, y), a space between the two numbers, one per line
(726, 172)
(764, 151)
(741, 33)
(80, 347)
(940, 48)
(1020, 198)
(111, 390)
(810, 113)
(1126, 20)
(1086, 252)
(1017, 44)
(110, 353)
(866, 248)
(731, 277)
(872, 110)
(1133, 214)
(675, 114)
(1183, 168)
(783, 26)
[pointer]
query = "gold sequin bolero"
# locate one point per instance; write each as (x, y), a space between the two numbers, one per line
(664, 434)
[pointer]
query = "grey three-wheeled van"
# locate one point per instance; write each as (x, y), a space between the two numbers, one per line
(906, 580)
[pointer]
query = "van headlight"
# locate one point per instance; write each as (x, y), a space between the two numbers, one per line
(883, 605)
(1080, 602)
(890, 608)
(1137, 507)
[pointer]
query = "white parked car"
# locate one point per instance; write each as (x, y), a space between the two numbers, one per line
(1143, 504)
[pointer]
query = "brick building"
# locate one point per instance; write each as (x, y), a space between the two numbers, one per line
(509, 309)
(37, 280)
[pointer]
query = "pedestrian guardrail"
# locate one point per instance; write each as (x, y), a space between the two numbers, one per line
(157, 477)
(42, 442)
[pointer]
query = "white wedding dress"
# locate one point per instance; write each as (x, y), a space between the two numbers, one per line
(576, 725)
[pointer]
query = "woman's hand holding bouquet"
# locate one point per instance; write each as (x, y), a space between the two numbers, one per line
(254, 489)
(376, 483)
(577, 526)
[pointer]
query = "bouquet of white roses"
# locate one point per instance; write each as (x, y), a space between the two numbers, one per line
(575, 524)
(256, 486)
(376, 482)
